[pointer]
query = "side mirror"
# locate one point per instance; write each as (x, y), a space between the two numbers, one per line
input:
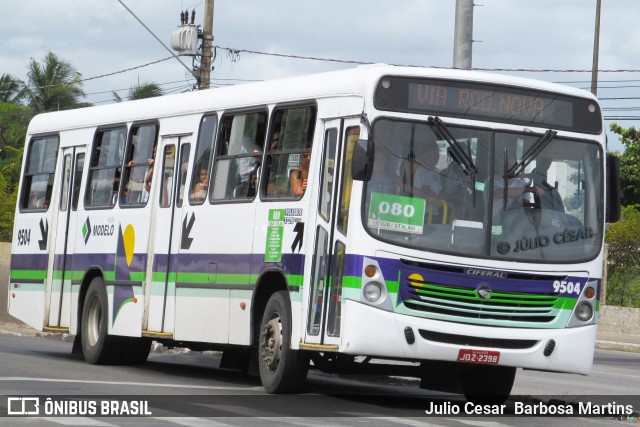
(613, 189)
(362, 160)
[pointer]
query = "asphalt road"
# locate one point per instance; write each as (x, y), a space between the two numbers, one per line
(188, 389)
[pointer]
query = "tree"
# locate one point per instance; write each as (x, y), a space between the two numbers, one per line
(10, 88)
(140, 91)
(53, 85)
(629, 164)
(8, 197)
(13, 127)
(623, 262)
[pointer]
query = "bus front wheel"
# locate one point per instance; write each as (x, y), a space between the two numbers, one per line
(487, 384)
(282, 370)
(97, 346)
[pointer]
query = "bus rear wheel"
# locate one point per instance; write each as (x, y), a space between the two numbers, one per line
(486, 384)
(282, 370)
(97, 346)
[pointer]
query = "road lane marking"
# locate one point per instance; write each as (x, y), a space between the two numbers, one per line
(62, 380)
(615, 373)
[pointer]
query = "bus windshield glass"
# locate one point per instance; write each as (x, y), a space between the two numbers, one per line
(482, 193)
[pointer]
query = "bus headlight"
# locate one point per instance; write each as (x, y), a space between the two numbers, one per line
(372, 291)
(584, 311)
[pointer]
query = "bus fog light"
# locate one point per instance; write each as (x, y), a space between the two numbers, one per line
(372, 291)
(584, 311)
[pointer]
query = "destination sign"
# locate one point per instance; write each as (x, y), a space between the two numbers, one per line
(481, 101)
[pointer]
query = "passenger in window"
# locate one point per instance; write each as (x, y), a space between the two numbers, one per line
(126, 195)
(152, 161)
(547, 196)
(275, 141)
(426, 179)
(36, 201)
(298, 178)
(516, 188)
(199, 192)
(255, 172)
(148, 176)
(383, 179)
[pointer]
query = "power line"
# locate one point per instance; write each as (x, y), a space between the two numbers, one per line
(236, 51)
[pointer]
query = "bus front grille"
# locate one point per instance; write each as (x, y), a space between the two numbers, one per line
(465, 305)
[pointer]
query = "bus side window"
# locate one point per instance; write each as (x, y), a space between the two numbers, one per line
(106, 168)
(199, 187)
(352, 135)
(238, 156)
(140, 161)
(183, 169)
(168, 162)
(39, 173)
(289, 151)
(77, 180)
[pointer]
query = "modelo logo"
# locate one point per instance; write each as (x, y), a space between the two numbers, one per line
(103, 230)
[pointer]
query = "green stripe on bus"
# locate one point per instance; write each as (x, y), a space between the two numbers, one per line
(28, 274)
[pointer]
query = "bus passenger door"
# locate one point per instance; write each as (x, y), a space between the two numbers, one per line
(326, 287)
(61, 275)
(165, 235)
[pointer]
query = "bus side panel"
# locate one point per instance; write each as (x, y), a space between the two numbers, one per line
(28, 290)
(119, 250)
(281, 240)
(26, 298)
(240, 317)
(214, 264)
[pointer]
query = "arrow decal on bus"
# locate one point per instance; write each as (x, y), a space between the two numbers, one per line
(185, 241)
(44, 230)
(299, 229)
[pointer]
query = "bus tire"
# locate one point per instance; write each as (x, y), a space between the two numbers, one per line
(98, 347)
(487, 384)
(282, 370)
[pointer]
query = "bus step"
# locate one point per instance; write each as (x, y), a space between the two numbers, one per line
(55, 329)
(152, 334)
(318, 347)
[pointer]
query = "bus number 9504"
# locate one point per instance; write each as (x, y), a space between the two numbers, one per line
(24, 237)
(564, 287)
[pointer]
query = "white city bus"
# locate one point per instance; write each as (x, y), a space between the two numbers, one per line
(450, 219)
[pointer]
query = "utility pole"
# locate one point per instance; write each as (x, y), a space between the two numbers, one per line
(596, 49)
(207, 42)
(463, 34)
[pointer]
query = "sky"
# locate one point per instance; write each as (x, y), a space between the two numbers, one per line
(102, 40)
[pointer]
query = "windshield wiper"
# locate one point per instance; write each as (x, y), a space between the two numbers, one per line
(531, 154)
(461, 157)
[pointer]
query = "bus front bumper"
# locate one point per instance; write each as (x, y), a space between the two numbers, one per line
(370, 331)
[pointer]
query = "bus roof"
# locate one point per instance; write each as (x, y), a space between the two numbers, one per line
(358, 81)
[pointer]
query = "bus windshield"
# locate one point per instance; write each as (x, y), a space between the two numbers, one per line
(467, 191)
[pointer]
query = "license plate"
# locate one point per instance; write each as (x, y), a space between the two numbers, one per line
(486, 357)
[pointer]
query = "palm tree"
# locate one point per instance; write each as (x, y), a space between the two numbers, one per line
(53, 85)
(140, 91)
(10, 89)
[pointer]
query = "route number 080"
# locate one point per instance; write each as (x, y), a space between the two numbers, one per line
(396, 209)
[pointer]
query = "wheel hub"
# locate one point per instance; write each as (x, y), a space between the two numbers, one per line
(272, 343)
